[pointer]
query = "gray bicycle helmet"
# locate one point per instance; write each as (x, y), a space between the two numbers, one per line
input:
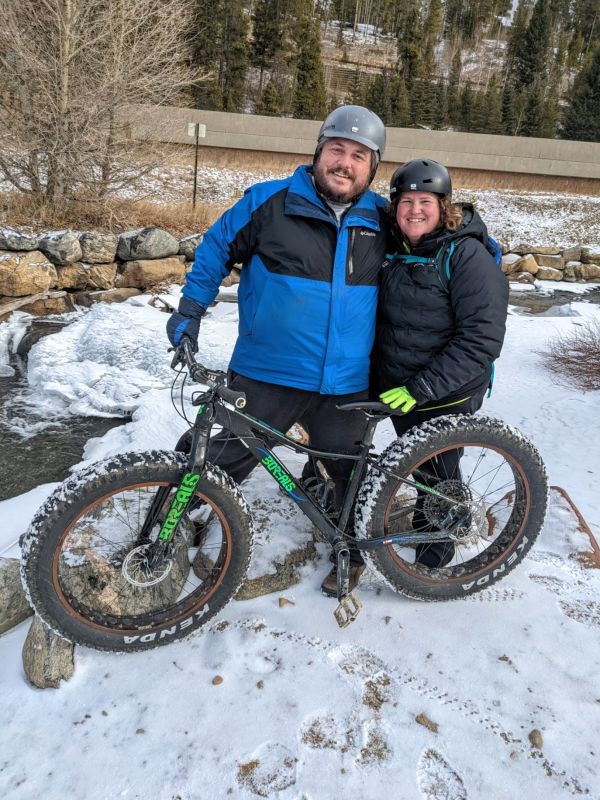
(357, 124)
(421, 176)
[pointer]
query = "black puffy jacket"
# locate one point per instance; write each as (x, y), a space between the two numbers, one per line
(439, 336)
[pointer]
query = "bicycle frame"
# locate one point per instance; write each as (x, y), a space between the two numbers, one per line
(260, 438)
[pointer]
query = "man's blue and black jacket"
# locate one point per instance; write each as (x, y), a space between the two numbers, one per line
(308, 289)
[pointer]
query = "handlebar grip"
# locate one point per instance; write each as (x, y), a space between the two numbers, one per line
(237, 399)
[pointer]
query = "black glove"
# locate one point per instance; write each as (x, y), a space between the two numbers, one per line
(185, 322)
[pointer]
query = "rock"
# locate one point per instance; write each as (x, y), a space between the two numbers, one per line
(217, 680)
(61, 247)
(87, 276)
(535, 738)
(549, 274)
(144, 273)
(590, 256)
(227, 281)
(556, 262)
(509, 262)
(146, 243)
(285, 575)
(55, 303)
(88, 299)
(587, 272)
(25, 273)
(187, 246)
(527, 264)
(569, 271)
(47, 659)
(523, 249)
(572, 253)
(521, 277)
(234, 275)
(14, 607)
(98, 248)
(13, 240)
(424, 720)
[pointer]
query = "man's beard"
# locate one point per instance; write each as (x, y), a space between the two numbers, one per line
(330, 194)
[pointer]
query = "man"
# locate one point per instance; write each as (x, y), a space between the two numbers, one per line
(311, 246)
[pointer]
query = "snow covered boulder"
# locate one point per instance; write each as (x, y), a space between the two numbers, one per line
(549, 274)
(149, 272)
(88, 299)
(543, 260)
(14, 607)
(527, 264)
(590, 255)
(98, 248)
(22, 274)
(13, 240)
(509, 262)
(87, 276)
(588, 272)
(47, 659)
(146, 243)
(521, 277)
(187, 246)
(61, 247)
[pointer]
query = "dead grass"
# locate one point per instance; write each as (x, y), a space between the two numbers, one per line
(114, 215)
(575, 357)
(249, 160)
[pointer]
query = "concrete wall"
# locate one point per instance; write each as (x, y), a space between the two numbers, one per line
(279, 135)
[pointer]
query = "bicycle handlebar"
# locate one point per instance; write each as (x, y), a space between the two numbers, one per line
(215, 379)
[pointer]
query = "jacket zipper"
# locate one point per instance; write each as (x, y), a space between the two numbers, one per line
(350, 248)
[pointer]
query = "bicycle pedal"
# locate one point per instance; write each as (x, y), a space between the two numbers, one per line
(348, 610)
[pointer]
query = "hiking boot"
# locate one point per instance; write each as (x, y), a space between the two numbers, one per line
(329, 585)
(434, 555)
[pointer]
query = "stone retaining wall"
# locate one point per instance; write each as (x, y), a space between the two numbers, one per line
(51, 273)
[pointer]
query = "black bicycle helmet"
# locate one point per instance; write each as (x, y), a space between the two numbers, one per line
(421, 176)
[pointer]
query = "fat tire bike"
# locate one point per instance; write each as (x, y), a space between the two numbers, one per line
(141, 549)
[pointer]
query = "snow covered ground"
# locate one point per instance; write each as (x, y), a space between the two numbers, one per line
(306, 711)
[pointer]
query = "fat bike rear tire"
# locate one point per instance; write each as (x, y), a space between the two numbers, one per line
(501, 478)
(82, 554)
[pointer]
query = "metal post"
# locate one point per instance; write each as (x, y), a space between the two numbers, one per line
(197, 132)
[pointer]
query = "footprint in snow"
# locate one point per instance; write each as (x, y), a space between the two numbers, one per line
(437, 780)
(270, 768)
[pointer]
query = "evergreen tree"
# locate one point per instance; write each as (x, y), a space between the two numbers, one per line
(492, 108)
(533, 114)
(268, 18)
(309, 95)
(400, 104)
(516, 36)
(532, 60)
(582, 120)
(380, 100)
(356, 88)
(454, 114)
(467, 103)
(205, 36)
(440, 118)
(269, 101)
(508, 113)
(234, 60)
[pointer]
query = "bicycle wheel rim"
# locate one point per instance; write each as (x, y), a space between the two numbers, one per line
(193, 593)
(507, 504)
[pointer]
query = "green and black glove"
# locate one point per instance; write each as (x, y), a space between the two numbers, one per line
(399, 398)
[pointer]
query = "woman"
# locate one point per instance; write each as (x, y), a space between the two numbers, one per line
(442, 314)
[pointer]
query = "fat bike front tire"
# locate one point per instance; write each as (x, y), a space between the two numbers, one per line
(500, 480)
(83, 566)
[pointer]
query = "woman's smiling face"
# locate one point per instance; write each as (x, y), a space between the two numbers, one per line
(418, 213)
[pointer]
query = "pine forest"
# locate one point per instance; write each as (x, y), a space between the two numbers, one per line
(509, 67)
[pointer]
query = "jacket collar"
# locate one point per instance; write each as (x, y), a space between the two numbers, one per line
(302, 199)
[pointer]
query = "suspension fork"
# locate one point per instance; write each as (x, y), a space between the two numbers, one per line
(185, 491)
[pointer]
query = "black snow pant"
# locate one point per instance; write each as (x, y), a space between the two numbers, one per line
(280, 407)
(442, 467)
